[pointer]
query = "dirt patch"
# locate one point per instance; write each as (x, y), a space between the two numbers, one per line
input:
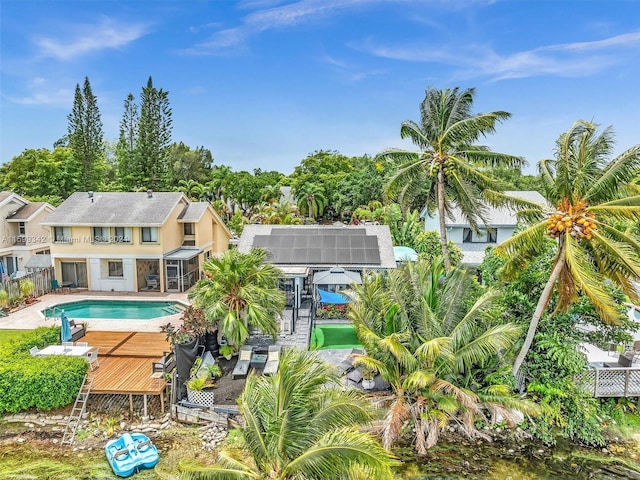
(227, 389)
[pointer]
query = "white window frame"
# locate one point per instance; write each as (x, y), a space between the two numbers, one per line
(121, 235)
(100, 234)
(115, 263)
(61, 234)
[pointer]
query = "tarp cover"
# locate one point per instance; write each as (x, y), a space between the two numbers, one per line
(333, 298)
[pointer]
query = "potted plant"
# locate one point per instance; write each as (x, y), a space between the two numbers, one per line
(368, 375)
(200, 387)
(227, 351)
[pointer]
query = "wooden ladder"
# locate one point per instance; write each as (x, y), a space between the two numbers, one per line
(77, 411)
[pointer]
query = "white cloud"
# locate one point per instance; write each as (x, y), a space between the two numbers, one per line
(84, 39)
(568, 60)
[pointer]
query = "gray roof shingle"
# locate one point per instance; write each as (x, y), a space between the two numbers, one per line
(193, 212)
(115, 209)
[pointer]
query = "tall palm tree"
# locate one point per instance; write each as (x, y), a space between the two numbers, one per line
(449, 168)
(311, 199)
(590, 197)
(439, 353)
(240, 290)
(299, 424)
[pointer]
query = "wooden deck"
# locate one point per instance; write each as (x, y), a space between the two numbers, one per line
(126, 363)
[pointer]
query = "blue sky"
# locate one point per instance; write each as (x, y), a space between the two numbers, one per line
(263, 83)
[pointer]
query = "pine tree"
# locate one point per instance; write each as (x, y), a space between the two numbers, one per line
(86, 136)
(126, 151)
(154, 137)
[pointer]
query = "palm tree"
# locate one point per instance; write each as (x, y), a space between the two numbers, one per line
(439, 352)
(299, 424)
(190, 188)
(449, 169)
(590, 197)
(240, 290)
(311, 199)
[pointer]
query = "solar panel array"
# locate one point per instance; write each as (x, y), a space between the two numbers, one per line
(313, 246)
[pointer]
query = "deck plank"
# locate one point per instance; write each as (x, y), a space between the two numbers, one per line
(144, 344)
(126, 375)
(105, 342)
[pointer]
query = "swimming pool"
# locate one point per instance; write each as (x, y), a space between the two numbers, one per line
(334, 336)
(116, 309)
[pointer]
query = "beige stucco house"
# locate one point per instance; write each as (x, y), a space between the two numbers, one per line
(21, 234)
(131, 241)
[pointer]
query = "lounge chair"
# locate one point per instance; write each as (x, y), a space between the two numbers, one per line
(244, 361)
(54, 285)
(347, 364)
(273, 360)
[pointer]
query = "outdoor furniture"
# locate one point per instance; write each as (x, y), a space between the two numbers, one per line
(273, 360)
(624, 360)
(73, 351)
(153, 281)
(67, 344)
(258, 361)
(92, 358)
(347, 364)
(244, 362)
(34, 351)
(54, 285)
(68, 286)
(82, 344)
(166, 363)
(77, 330)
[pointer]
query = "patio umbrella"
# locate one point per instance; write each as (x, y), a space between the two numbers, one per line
(336, 276)
(65, 331)
(3, 271)
(405, 254)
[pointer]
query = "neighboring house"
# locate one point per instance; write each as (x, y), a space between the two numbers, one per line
(122, 241)
(21, 235)
(501, 223)
(302, 250)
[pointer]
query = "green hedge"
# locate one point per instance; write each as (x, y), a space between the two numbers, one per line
(43, 383)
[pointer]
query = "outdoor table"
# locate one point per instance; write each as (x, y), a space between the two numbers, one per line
(258, 360)
(72, 351)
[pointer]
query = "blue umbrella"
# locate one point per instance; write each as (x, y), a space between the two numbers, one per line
(65, 331)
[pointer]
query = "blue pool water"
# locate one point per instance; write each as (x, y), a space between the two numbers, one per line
(116, 309)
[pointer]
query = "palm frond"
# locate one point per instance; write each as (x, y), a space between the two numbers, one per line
(622, 170)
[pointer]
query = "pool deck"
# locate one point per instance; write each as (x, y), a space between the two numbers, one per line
(31, 317)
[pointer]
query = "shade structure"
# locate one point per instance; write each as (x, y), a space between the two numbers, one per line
(336, 276)
(65, 331)
(405, 254)
(332, 298)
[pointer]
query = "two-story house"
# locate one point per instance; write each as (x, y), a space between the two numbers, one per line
(501, 223)
(131, 241)
(21, 235)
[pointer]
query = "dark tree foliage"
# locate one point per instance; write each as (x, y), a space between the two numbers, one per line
(126, 151)
(86, 136)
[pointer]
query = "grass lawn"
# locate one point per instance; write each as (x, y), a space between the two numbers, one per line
(7, 335)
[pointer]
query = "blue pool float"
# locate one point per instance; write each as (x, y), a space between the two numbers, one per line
(130, 453)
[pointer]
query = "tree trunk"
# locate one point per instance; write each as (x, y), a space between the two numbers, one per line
(537, 314)
(443, 228)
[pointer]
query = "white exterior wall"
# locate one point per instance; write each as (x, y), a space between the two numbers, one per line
(504, 233)
(99, 275)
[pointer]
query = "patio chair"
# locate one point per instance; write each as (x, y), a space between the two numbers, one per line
(82, 344)
(347, 364)
(244, 361)
(67, 344)
(54, 285)
(273, 360)
(34, 351)
(153, 281)
(92, 358)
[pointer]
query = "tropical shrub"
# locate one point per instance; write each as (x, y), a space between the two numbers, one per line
(427, 244)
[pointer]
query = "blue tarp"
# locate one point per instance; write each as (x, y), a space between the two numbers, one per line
(333, 298)
(65, 331)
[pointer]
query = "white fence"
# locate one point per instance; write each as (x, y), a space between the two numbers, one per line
(41, 284)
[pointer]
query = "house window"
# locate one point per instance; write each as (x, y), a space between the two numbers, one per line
(115, 269)
(122, 235)
(100, 234)
(62, 234)
(149, 235)
(189, 229)
(482, 236)
(22, 230)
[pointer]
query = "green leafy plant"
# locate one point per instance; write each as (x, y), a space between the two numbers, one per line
(4, 298)
(26, 287)
(227, 350)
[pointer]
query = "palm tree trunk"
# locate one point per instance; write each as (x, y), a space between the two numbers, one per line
(443, 228)
(537, 314)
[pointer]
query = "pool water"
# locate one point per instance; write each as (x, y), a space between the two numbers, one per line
(116, 309)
